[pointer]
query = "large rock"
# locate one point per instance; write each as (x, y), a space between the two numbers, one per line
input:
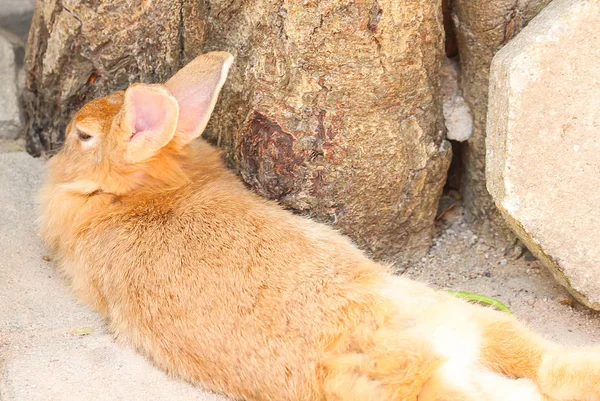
(482, 27)
(332, 108)
(543, 142)
(40, 359)
(10, 117)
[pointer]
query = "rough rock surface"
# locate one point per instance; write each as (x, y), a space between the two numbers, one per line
(482, 28)
(10, 115)
(80, 50)
(333, 109)
(40, 359)
(543, 166)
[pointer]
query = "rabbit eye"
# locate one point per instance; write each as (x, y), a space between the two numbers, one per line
(83, 136)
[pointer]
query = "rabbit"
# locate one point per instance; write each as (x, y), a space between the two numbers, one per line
(231, 292)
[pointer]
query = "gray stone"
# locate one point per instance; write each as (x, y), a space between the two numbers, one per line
(18, 45)
(10, 119)
(10, 8)
(15, 16)
(39, 359)
(457, 114)
(543, 142)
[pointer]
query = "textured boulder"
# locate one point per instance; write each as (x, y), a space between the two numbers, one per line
(482, 27)
(543, 142)
(332, 107)
(10, 118)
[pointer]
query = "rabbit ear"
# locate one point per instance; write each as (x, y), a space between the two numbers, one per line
(148, 119)
(196, 88)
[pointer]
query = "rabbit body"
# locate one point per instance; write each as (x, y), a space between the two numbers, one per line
(229, 291)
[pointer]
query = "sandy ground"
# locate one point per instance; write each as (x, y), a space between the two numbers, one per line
(40, 358)
(490, 265)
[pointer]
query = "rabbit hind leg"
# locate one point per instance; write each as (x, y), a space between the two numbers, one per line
(451, 383)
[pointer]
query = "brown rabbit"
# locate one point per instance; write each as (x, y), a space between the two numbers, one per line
(227, 290)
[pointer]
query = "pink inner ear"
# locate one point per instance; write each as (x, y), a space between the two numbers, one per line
(149, 119)
(148, 112)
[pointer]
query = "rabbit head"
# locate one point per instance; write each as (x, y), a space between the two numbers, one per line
(113, 142)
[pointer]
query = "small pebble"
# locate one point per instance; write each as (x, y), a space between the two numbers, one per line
(567, 301)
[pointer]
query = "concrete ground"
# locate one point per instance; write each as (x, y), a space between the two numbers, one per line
(40, 358)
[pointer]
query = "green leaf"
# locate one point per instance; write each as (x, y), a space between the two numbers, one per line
(480, 299)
